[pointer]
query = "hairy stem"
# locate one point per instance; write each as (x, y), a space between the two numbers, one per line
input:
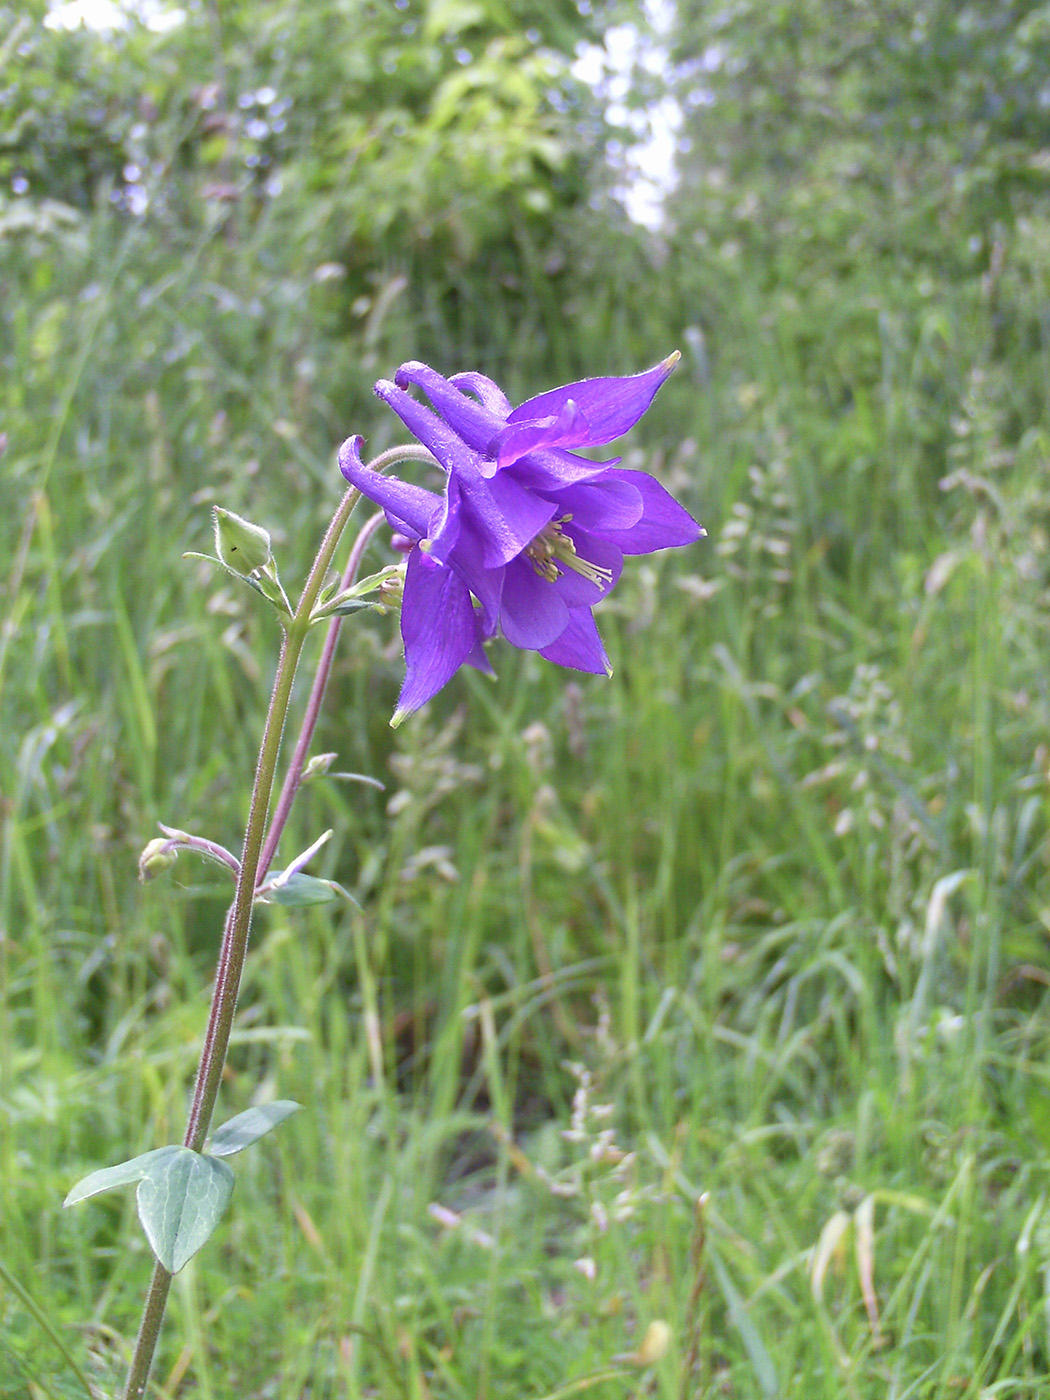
(294, 776)
(238, 925)
(258, 852)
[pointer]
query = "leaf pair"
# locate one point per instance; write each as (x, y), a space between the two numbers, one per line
(182, 1195)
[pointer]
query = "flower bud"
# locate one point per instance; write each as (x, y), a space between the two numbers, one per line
(392, 588)
(242, 546)
(318, 765)
(157, 857)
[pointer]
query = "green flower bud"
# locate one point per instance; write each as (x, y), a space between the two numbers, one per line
(157, 857)
(392, 588)
(318, 765)
(242, 546)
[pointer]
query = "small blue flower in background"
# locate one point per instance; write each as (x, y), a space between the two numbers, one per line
(527, 536)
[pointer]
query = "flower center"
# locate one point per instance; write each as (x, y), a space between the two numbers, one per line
(552, 552)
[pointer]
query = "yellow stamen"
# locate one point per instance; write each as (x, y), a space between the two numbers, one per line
(552, 552)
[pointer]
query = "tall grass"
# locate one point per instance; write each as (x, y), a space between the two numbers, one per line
(760, 921)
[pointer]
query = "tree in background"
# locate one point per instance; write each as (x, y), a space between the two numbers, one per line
(828, 134)
(437, 159)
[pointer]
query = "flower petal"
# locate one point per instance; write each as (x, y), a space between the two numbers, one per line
(532, 614)
(604, 409)
(469, 420)
(567, 428)
(406, 505)
(607, 502)
(491, 395)
(468, 561)
(444, 532)
(664, 524)
(450, 450)
(579, 645)
(506, 516)
(549, 468)
(350, 452)
(478, 658)
(439, 628)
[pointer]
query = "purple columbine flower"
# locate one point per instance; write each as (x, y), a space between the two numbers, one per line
(526, 536)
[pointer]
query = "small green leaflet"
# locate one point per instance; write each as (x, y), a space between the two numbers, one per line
(182, 1196)
(300, 890)
(241, 1131)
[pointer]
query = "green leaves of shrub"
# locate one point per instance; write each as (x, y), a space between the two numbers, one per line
(182, 1195)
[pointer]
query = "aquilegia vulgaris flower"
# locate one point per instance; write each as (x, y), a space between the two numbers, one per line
(526, 536)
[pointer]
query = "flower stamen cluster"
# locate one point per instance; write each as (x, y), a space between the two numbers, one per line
(552, 547)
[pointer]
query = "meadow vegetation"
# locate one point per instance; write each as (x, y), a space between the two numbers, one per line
(712, 996)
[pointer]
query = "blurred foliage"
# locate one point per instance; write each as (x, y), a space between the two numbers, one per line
(435, 154)
(864, 188)
(846, 132)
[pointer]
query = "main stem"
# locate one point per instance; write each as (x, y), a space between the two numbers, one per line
(238, 925)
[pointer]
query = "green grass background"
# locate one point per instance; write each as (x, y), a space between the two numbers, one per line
(760, 922)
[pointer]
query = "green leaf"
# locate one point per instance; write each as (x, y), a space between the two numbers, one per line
(182, 1194)
(352, 605)
(245, 1128)
(299, 890)
(181, 1202)
(106, 1178)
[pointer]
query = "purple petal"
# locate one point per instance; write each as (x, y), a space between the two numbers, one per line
(491, 395)
(664, 523)
(532, 614)
(604, 409)
(579, 645)
(476, 425)
(444, 532)
(568, 428)
(439, 629)
(506, 516)
(478, 658)
(450, 450)
(406, 505)
(350, 453)
(468, 561)
(607, 502)
(550, 468)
